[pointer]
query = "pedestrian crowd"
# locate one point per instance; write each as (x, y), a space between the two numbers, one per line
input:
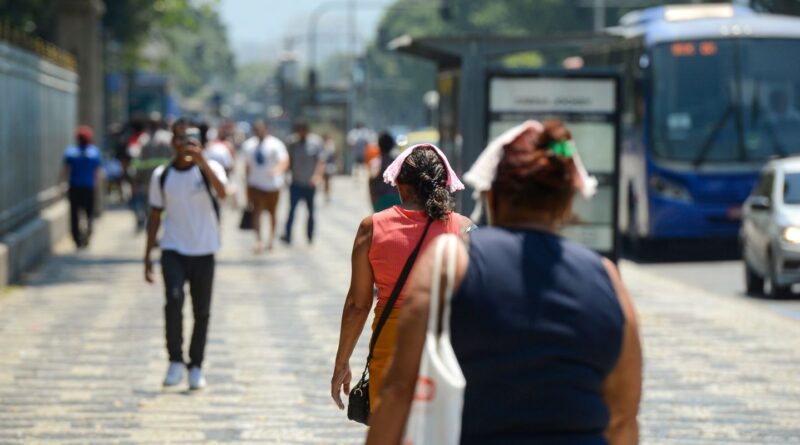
(506, 334)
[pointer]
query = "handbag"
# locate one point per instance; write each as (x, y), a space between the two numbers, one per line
(358, 403)
(246, 222)
(436, 410)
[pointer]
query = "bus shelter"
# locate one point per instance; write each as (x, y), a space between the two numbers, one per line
(479, 99)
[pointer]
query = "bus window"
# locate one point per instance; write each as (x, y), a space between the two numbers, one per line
(692, 95)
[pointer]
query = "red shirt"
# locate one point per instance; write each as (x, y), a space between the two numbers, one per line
(395, 233)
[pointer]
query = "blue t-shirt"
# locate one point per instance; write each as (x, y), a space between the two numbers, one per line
(83, 163)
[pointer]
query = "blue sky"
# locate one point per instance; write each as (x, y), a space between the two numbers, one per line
(263, 29)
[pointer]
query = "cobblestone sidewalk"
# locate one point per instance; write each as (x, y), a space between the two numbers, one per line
(717, 370)
(82, 354)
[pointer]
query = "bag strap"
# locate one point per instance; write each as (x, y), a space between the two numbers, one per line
(439, 309)
(387, 310)
(163, 180)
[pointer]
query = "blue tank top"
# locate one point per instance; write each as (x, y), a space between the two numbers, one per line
(536, 327)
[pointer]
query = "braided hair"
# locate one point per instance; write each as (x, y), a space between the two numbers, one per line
(427, 175)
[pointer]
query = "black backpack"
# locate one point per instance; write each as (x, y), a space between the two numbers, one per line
(163, 181)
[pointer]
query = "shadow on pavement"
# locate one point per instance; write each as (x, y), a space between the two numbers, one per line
(678, 251)
(75, 268)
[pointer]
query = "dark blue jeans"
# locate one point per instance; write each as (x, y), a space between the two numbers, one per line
(299, 193)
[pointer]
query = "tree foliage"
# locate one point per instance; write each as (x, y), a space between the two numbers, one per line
(195, 51)
(183, 38)
(397, 82)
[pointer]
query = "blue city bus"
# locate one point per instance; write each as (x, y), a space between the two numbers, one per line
(711, 93)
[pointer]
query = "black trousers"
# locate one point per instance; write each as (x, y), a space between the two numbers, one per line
(177, 269)
(81, 200)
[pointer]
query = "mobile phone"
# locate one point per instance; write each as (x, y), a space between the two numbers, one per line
(193, 135)
(192, 138)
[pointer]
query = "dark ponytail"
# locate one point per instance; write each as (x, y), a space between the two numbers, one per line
(426, 174)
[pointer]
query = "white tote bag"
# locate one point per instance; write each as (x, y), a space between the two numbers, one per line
(435, 416)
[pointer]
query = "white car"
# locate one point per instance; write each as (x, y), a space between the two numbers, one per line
(770, 233)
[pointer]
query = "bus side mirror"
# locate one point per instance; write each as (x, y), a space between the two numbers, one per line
(760, 203)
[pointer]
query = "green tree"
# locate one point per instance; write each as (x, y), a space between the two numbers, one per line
(195, 51)
(396, 82)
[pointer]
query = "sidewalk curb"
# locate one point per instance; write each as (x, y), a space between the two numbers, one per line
(28, 246)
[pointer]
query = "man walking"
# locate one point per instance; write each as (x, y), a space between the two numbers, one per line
(81, 166)
(307, 165)
(187, 190)
(267, 162)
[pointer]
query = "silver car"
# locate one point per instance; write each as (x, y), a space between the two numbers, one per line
(770, 233)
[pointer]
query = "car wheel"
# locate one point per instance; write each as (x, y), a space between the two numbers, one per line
(753, 282)
(776, 291)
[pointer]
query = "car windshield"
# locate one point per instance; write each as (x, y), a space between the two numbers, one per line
(726, 100)
(791, 188)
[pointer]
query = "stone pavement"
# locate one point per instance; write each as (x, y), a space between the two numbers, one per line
(717, 370)
(82, 354)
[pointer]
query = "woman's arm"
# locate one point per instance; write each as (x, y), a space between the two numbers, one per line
(388, 421)
(355, 312)
(622, 389)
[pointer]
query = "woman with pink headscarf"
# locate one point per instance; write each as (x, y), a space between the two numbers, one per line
(384, 245)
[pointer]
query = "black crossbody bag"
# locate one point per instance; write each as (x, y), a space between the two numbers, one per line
(358, 404)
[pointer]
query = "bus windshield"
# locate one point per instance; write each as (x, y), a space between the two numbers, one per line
(726, 100)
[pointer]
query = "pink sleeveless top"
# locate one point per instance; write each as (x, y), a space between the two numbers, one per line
(395, 233)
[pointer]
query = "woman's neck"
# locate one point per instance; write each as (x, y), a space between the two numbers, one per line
(412, 205)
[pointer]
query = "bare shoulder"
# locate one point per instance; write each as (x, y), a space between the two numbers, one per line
(625, 300)
(426, 264)
(365, 227)
(364, 233)
(464, 223)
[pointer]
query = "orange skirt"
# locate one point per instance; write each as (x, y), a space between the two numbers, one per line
(384, 348)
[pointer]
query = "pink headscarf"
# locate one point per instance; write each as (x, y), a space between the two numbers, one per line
(391, 173)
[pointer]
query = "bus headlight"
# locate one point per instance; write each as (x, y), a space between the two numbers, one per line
(669, 189)
(791, 234)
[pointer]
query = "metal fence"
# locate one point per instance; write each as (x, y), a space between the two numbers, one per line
(38, 115)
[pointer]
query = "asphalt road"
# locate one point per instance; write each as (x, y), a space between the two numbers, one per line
(722, 277)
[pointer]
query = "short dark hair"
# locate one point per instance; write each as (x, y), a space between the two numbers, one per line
(386, 142)
(300, 124)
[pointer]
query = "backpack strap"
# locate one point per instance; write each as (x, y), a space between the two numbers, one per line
(162, 181)
(214, 201)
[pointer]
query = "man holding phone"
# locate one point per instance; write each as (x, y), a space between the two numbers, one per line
(187, 190)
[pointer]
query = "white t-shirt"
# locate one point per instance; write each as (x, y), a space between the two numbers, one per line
(190, 225)
(272, 152)
(218, 151)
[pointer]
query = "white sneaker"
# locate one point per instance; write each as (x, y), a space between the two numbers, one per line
(174, 374)
(196, 378)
